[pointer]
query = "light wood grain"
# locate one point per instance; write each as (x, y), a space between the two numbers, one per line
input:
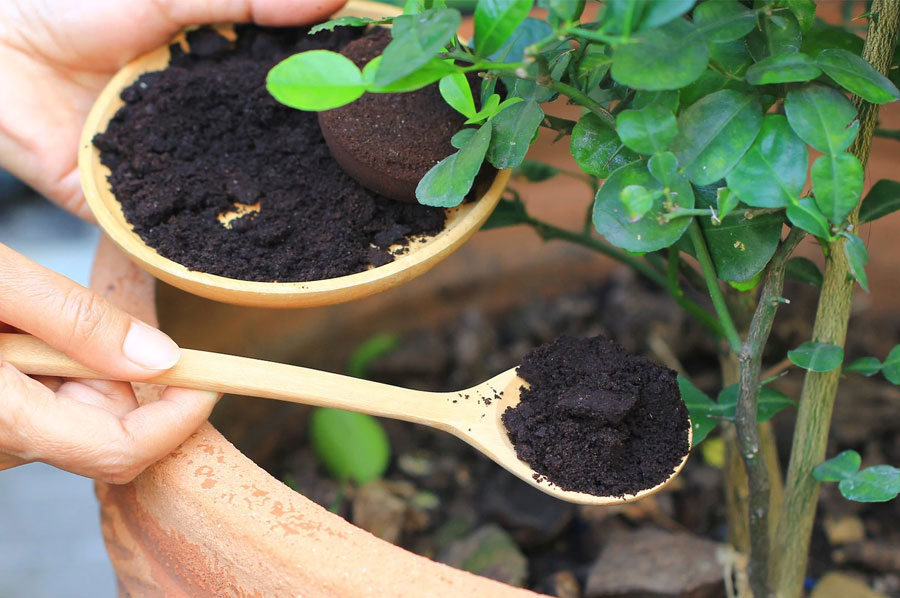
(462, 222)
(472, 414)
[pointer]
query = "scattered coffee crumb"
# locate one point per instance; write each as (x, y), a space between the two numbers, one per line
(203, 138)
(596, 419)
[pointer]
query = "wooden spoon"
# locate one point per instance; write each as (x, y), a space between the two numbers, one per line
(421, 254)
(472, 414)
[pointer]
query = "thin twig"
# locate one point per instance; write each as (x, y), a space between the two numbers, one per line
(712, 283)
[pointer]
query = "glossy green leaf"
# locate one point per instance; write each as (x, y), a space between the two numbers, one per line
(450, 180)
(649, 233)
(666, 99)
(732, 59)
(664, 168)
(773, 171)
(638, 200)
(818, 357)
(495, 21)
(669, 57)
(368, 351)
(879, 483)
(891, 367)
(621, 17)
(702, 409)
(784, 68)
(724, 20)
(593, 66)
(726, 201)
(740, 248)
(746, 285)
(776, 35)
(564, 10)
(596, 147)
(882, 199)
(769, 403)
(714, 133)
(867, 366)
(709, 83)
(347, 22)
(529, 32)
(822, 116)
(660, 13)
(804, 11)
(806, 214)
(507, 213)
(460, 138)
(315, 80)
(857, 76)
(649, 130)
(514, 129)
(837, 182)
(457, 93)
(857, 258)
(351, 446)
(492, 108)
(416, 40)
(536, 172)
(428, 73)
(803, 270)
(823, 36)
(840, 467)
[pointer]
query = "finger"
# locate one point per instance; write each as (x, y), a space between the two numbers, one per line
(263, 12)
(115, 397)
(81, 324)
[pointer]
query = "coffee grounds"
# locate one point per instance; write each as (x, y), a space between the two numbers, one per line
(596, 419)
(389, 141)
(203, 138)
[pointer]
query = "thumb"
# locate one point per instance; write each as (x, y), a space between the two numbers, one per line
(261, 12)
(83, 325)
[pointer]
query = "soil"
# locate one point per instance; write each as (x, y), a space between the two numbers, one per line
(203, 139)
(388, 142)
(596, 419)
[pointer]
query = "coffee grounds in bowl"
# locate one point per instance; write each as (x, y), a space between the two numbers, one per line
(203, 138)
(596, 419)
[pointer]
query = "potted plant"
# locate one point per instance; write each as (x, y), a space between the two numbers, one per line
(699, 120)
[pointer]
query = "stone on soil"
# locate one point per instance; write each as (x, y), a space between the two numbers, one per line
(489, 551)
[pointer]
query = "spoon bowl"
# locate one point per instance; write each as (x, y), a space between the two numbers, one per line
(420, 255)
(473, 415)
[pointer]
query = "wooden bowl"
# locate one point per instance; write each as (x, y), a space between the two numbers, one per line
(462, 222)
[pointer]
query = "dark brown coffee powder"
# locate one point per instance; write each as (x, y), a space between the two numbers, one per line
(203, 137)
(596, 419)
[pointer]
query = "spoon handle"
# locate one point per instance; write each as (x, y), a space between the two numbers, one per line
(252, 377)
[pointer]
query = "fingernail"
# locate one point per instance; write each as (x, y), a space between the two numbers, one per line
(149, 348)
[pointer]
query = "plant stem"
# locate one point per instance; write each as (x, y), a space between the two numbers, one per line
(583, 99)
(888, 134)
(832, 316)
(712, 283)
(746, 418)
(548, 232)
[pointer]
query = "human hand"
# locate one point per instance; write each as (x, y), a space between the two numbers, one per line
(57, 55)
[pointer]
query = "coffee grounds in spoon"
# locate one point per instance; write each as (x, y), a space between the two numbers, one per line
(596, 419)
(203, 138)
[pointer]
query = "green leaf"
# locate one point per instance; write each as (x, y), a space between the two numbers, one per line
(669, 57)
(883, 199)
(784, 68)
(822, 36)
(492, 108)
(804, 270)
(509, 212)
(416, 40)
(837, 182)
(714, 133)
(804, 11)
(879, 483)
(891, 367)
(773, 171)
(368, 351)
(660, 13)
(769, 403)
(726, 201)
(593, 66)
(649, 233)
(347, 22)
(536, 172)
(857, 258)
(596, 147)
(701, 408)
(838, 468)
(461, 137)
(457, 93)
(806, 214)
(740, 247)
(514, 129)
(732, 59)
(664, 168)
(867, 366)
(447, 184)
(857, 76)
(666, 99)
(822, 116)
(495, 21)
(638, 201)
(710, 82)
(776, 35)
(818, 357)
(564, 10)
(724, 20)
(647, 131)
(529, 32)
(431, 71)
(351, 446)
(315, 80)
